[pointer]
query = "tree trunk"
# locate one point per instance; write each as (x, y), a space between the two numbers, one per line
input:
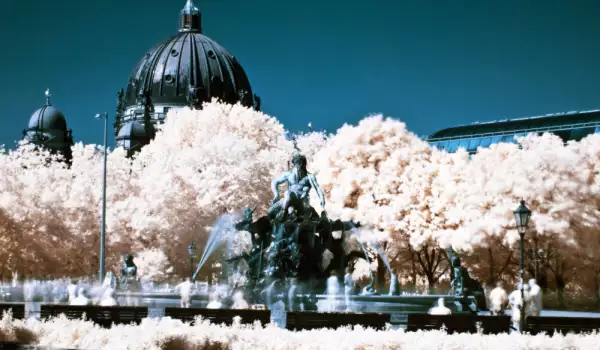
(429, 261)
(381, 272)
(597, 288)
(413, 269)
(560, 288)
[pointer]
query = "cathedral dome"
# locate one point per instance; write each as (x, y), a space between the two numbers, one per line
(187, 70)
(184, 70)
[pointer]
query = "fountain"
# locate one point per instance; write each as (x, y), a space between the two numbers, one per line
(293, 253)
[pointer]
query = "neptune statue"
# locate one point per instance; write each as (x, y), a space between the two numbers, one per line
(293, 246)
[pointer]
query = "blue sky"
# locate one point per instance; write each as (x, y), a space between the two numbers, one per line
(431, 64)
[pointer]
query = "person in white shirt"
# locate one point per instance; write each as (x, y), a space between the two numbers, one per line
(535, 304)
(108, 299)
(440, 309)
(185, 291)
(516, 302)
(82, 298)
(498, 299)
(239, 302)
(72, 290)
(214, 302)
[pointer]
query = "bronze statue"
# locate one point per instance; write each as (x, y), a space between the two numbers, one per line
(120, 101)
(128, 272)
(463, 285)
(293, 240)
(299, 182)
(242, 94)
(193, 97)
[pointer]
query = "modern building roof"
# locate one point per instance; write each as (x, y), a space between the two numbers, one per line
(568, 126)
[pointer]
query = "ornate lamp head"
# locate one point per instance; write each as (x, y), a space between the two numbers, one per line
(522, 215)
(192, 250)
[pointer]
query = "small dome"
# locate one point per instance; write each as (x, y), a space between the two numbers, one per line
(47, 118)
(133, 135)
(48, 128)
(135, 130)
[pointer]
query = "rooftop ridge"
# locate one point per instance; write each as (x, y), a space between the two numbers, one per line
(549, 115)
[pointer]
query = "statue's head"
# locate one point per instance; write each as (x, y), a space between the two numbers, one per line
(299, 161)
(455, 261)
(128, 259)
(248, 214)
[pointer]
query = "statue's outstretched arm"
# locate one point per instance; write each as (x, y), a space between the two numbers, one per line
(283, 178)
(313, 181)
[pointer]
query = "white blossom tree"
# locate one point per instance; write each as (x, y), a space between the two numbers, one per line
(215, 161)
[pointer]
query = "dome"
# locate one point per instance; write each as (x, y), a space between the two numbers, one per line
(135, 130)
(133, 135)
(48, 128)
(47, 118)
(187, 69)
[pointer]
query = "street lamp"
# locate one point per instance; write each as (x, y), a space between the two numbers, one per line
(192, 255)
(522, 215)
(103, 228)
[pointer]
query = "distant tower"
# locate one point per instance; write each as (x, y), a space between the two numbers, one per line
(186, 70)
(48, 128)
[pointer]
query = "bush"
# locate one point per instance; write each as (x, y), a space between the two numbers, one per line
(167, 333)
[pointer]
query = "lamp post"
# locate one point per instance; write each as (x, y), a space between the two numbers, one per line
(522, 214)
(192, 255)
(103, 228)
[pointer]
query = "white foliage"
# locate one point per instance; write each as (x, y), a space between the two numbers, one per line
(153, 265)
(167, 333)
(210, 162)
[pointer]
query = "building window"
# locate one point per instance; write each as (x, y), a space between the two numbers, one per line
(452, 146)
(473, 144)
(485, 142)
(508, 139)
(496, 139)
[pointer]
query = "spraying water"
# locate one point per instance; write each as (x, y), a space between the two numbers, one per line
(379, 250)
(221, 232)
(369, 288)
(394, 287)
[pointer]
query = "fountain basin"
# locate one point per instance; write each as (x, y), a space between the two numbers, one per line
(398, 306)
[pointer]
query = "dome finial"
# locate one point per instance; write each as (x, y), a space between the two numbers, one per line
(190, 18)
(48, 95)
